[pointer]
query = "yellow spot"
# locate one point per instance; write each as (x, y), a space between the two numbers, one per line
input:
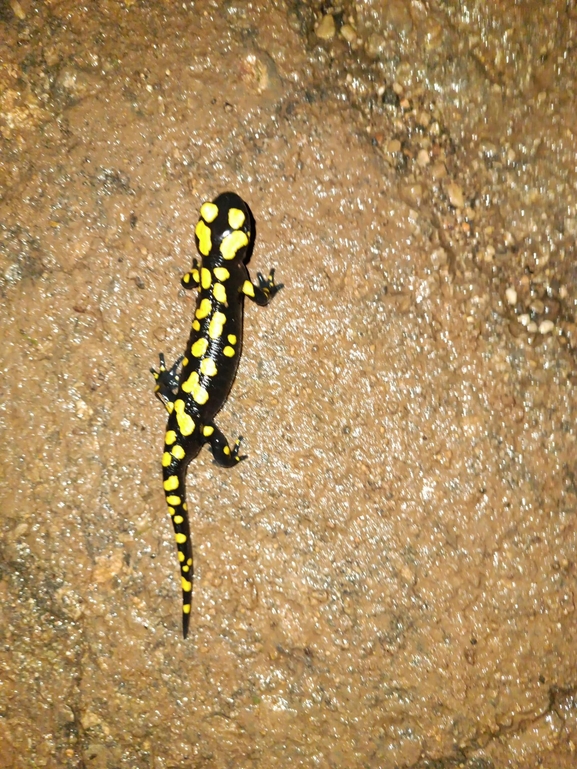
(209, 212)
(166, 459)
(231, 338)
(226, 450)
(180, 556)
(195, 275)
(186, 585)
(216, 325)
(185, 421)
(190, 383)
(232, 243)
(199, 347)
(184, 362)
(171, 510)
(189, 562)
(200, 395)
(180, 538)
(207, 431)
(186, 568)
(178, 452)
(186, 278)
(228, 351)
(170, 484)
(204, 309)
(204, 240)
(185, 506)
(186, 608)
(196, 325)
(219, 293)
(178, 519)
(205, 279)
(236, 218)
(208, 367)
(248, 288)
(173, 500)
(221, 273)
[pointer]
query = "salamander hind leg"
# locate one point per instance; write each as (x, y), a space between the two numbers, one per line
(221, 451)
(166, 382)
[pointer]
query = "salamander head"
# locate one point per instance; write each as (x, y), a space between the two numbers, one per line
(224, 229)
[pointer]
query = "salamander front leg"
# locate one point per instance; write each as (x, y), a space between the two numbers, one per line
(191, 279)
(264, 292)
(221, 451)
(166, 382)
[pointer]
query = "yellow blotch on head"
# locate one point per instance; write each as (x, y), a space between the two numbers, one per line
(248, 288)
(173, 500)
(199, 347)
(170, 484)
(231, 338)
(196, 325)
(228, 351)
(204, 239)
(200, 395)
(186, 608)
(178, 519)
(216, 325)
(190, 383)
(180, 538)
(204, 309)
(219, 293)
(185, 421)
(232, 243)
(208, 367)
(166, 459)
(178, 452)
(221, 273)
(207, 431)
(205, 278)
(186, 585)
(209, 212)
(236, 218)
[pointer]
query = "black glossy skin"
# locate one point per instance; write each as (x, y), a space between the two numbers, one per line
(194, 394)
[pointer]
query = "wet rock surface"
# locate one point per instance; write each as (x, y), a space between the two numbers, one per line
(389, 581)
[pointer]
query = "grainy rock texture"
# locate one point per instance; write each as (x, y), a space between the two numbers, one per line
(389, 581)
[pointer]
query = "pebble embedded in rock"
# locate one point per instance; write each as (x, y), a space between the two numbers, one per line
(326, 29)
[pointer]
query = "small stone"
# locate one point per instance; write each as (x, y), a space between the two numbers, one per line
(423, 158)
(394, 146)
(455, 194)
(546, 326)
(532, 327)
(524, 319)
(511, 296)
(326, 30)
(17, 8)
(349, 33)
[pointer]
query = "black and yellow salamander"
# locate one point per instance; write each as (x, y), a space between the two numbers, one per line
(195, 388)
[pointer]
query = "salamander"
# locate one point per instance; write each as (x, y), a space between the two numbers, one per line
(195, 388)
